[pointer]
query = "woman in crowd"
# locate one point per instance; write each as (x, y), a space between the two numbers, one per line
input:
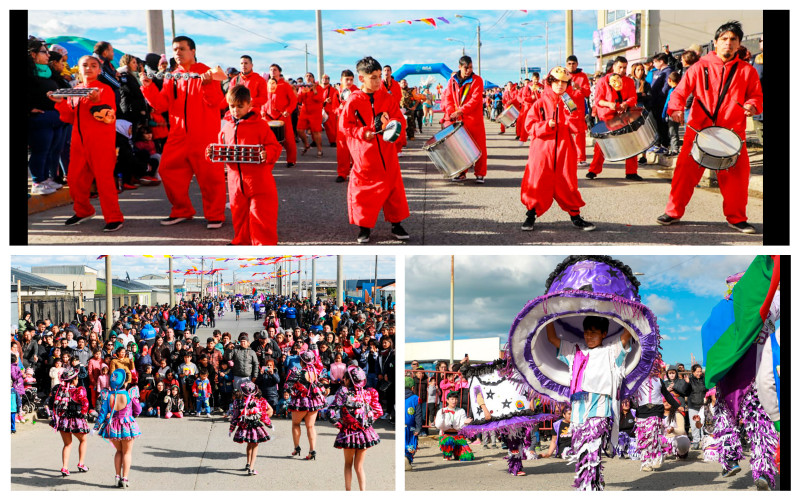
(117, 423)
(643, 96)
(70, 406)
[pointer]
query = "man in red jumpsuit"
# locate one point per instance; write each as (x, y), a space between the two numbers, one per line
(330, 103)
(509, 97)
(281, 102)
(375, 181)
(391, 86)
(254, 82)
(464, 102)
(310, 118)
(726, 91)
(343, 158)
(608, 103)
(530, 92)
(193, 106)
(582, 88)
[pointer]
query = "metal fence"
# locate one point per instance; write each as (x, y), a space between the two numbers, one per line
(63, 309)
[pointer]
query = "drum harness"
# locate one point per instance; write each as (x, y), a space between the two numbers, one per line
(722, 93)
(363, 123)
(235, 132)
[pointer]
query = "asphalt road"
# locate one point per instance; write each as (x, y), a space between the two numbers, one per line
(196, 454)
(313, 209)
(488, 472)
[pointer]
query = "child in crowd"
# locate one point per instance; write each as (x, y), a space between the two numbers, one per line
(55, 373)
(283, 405)
(102, 382)
(250, 419)
(251, 186)
(201, 390)
(225, 381)
(160, 130)
(449, 420)
(173, 403)
(145, 148)
(188, 373)
(672, 80)
(155, 401)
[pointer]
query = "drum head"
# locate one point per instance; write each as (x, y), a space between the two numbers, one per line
(719, 142)
(629, 121)
(392, 130)
(442, 135)
(275, 124)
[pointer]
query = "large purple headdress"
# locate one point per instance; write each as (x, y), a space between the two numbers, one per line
(582, 286)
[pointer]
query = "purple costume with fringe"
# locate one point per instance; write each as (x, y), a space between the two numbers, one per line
(359, 409)
(305, 395)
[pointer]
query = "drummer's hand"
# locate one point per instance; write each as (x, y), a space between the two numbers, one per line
(146, 80)
(623, 107)
(368, 135)
(677, 116)
(749, 110)
(263, 156)
(52, 98)
(384, 120)
(205, 77)
(551, 124)
(208, 152)
(94, 95)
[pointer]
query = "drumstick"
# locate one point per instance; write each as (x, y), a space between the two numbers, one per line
(698, 132)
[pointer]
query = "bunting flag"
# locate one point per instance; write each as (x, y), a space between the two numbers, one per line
(428, 20)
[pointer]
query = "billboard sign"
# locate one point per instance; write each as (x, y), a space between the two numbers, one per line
(617, 36)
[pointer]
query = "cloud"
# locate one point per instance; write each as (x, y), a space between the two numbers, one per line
(661, 306)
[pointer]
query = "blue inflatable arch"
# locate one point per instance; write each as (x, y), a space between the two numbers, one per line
(422, 69)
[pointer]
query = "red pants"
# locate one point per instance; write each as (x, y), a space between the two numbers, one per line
(580, 144)
(289, 143)
(330, 127)
(181, 159)
(254, 217)
(733, 183)
(631, 164)
(502, 129)
(519, 127)
(478, 133)
(365, 199)
(344, 162)
(98, 166)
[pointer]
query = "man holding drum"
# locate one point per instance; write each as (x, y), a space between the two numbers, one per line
(310, 118)
(580, 84)
(464, 102)
(330, 103)
(281, 102)
(726, 91)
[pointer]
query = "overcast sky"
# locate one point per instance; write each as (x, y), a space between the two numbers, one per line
(491, 290)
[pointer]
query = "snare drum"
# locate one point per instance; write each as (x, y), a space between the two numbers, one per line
(626, 135)
(392, 131)
(716, 148)
(509, 116)
(324, 116)
(239, 153)
(452, 150)
(278, 129)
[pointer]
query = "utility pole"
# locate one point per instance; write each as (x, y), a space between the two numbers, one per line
(155, 31)
(452, 302)
(320, 59)
(202, 275)
(172, 16)
(479, 48)
(314, 281)
(375, 290)
(109, 298)
(339, 280)
(570, 49)
(306, 58)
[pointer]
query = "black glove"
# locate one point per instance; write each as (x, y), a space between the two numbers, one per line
(378, 123)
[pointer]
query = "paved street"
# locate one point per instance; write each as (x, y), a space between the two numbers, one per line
(489, 472)
(313, 208)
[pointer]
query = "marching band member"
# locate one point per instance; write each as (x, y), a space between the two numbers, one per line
(330, 103)
(530, 92)
(193, 106)
(464, 103)
(726, 91)
(254, 82)
(310, 118)
(614, 94)
(509, 97)
(391, 86)
(552, 167)
(580, 83)
(281, 102)
(343, 158)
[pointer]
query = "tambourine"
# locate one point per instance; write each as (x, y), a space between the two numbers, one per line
(391, 132)
(239, 153)
(74, 92)
(217, 74)
(344, 94)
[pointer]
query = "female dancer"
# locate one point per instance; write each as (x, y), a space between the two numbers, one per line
(70, 406)
(117, 423)
(359, 409)
(307, 399)
(250, 418)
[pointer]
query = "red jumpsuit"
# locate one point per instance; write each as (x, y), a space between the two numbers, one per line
(331, 108)
(194, 123)
(604, 92)
(92, 153)
(375, 181)
(343, 158)
(468, 97)
(279, 106)
(254, 197)
(255, 83)
(580, 79)
(396, 93)
(526, 97)
(311, 111)
(745, 88)
(552, 168)
(509, 97)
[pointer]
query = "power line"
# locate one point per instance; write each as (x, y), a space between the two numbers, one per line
(285, 45)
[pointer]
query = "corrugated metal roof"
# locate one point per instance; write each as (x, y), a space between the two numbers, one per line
(63, 269)
(131, 286)
(31, 281)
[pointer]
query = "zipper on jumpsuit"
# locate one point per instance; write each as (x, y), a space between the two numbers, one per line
(185, 103)
(372, 103)
(555, 156)
(238, 165)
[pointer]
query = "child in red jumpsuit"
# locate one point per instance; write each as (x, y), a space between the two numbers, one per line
(254, 197)
(552, 168)
(281, 102)
(310, 118)
(343, 158)
(375, 181)
(92, 151)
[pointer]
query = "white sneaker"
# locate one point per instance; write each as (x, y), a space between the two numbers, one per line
(53, 184)
(400, 154)
(42, 189)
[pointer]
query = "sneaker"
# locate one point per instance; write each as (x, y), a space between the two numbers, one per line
(762, 484)
(42, 189)
(647, 468)
(400, 154)
(578, 222)
(214, 224)
(408, 465)
(171, 221)
(76, 220)
(53, 184)
(339, 178)
(633, 177)
(743, 227)
(642, 160)
(732, 472)
(582, 164)
(398, 232)
(363, 235)
(129, 187)
(529, 221)
(477, 442)
(591, 175)
(289, 165)
(479, 179)
(460, 177)
(112, 226)
(666, 220)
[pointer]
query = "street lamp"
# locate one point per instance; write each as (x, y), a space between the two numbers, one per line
(479, 37)
(521, 38)
(546, 42)
(463, 45)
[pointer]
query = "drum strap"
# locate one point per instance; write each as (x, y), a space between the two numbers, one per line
(722, 93)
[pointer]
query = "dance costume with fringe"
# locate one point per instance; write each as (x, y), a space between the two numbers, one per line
(305, 395)
(118, 425)
(70, 407)
(359, 409)
(453, 445)
(250, 420)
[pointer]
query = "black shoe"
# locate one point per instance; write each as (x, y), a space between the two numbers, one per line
(363, 235)
(591, 175)
(333, 145)
(666, 220)
(289, 165)
(214, 224)
(633, 177)
(76, 220)
(399, 232)
(339, 178)
(460, 177)
(171, 221)
(578, 222)
(642, 160)
(743, 227)
(529, 221)
(112, 226)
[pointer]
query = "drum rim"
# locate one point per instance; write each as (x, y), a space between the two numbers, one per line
(509, 107)
(397, 132)
(611, 133)
(282, 123)
(428, 145)
(738, 151)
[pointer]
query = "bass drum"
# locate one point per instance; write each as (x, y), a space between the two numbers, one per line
(277, 127)
(626, 135)
(452, 150)
(716, 148)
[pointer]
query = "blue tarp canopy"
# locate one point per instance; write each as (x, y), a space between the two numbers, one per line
(489, 85)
